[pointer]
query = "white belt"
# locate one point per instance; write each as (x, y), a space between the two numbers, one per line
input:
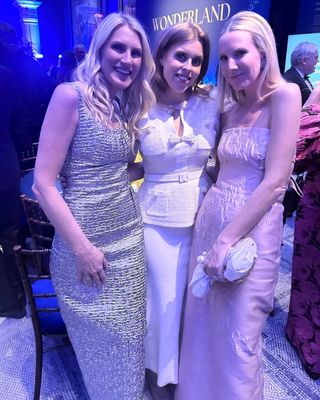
(181, 177)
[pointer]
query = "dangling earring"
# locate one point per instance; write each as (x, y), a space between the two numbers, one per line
(263, 63)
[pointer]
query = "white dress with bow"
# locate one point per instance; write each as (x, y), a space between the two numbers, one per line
(175, 184)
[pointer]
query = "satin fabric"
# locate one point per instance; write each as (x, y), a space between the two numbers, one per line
(221, 345)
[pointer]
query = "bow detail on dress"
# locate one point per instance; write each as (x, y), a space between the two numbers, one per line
(175, 139)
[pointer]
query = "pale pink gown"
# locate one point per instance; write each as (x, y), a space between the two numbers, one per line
(221, 343)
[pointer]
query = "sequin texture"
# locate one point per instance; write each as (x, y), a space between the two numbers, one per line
(107, 326)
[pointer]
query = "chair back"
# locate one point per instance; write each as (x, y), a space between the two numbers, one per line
(27, 159)
(40, 227)
(44, 308)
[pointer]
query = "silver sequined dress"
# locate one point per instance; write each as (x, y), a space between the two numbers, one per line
(107, 326)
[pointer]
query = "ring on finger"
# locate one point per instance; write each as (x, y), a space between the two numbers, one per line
(214, 277)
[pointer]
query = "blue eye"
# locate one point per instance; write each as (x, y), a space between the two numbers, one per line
(180, 56)
(136, 53)
(118, 47)
(240, 53)
(197, 61)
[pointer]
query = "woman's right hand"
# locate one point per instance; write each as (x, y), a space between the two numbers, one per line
(91, 265)
(214, 260)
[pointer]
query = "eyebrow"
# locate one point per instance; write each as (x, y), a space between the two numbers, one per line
(189, 54)
(124, 44)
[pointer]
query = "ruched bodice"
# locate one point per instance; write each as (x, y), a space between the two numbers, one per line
(241, 154)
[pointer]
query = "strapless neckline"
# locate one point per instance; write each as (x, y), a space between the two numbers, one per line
(246, 128)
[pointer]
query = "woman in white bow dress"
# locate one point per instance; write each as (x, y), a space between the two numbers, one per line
(177, 137)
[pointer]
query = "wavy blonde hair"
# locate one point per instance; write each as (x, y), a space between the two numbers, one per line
(135, 100)
(270, 77)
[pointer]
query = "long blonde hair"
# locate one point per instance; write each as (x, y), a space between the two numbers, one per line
(137, 99)
(270, 77)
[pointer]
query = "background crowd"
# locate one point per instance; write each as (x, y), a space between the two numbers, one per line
(121, 263)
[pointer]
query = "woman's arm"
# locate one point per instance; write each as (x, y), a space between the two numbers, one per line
(56, 135)
(285, 121)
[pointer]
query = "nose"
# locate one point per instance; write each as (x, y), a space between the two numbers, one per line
(187, 65)
(232, 64)
(126, 59)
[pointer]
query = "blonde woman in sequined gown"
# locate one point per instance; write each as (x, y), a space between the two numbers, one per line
(221, 349)
(176, 139)
(98, 258)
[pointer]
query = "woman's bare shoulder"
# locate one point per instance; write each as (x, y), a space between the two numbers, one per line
(65, 96)
(66, 90)
(286, 91)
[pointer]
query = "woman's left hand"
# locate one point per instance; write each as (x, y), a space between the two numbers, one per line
(214, 260)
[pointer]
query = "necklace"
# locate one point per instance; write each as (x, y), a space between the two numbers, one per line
(173, 109)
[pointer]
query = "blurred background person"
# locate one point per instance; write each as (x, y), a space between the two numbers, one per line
(12, 297)
(79, 52)
(34, 88)
(303, 325)
(304, 58)
(68, 64)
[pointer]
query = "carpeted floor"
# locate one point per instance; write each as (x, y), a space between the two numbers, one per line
(284, 376)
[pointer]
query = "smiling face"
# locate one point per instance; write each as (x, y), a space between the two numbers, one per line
(121, 58)
(181, 67)
(240, 60)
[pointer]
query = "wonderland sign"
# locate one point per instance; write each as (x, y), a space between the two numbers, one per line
(208, 14)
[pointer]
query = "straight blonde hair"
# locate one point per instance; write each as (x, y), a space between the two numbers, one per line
(270, 77)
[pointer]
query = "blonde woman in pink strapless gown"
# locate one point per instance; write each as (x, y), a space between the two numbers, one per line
(221, 349)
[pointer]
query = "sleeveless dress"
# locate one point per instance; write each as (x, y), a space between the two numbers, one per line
(106, 327)
(174, 186)
(221, 349)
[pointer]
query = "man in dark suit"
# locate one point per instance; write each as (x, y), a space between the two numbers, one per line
(303, 61)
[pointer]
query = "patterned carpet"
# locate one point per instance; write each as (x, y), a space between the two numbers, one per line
(285, 378)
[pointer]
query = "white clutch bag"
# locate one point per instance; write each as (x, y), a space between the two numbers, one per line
(238, 263)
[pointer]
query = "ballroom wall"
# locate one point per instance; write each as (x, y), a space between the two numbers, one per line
(56, 17)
